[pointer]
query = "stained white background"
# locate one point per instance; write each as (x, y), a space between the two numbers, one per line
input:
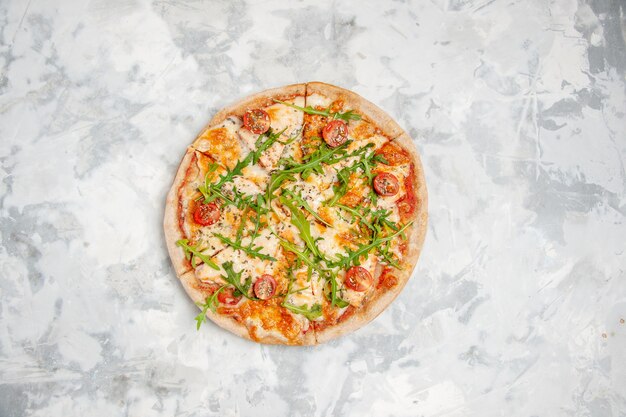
(517, 108)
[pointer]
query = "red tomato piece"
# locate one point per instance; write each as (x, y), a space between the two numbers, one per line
(335, 133)
(257, 121)
(265, 287)
(206, 214)
(227, 297)
(386, 184)
(358, 279)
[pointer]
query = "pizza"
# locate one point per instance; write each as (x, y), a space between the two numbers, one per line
(297, 215)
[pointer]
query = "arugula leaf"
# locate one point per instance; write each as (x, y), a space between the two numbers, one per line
(303, 256)
(327, 274)
(323, 154)
(276, 180)
(262, 146)
(234, 279)
(192, 253)
(211, 303)
(358, 215)
(310, 313)
(334, 299)
(311, 163)
(343, 175)
(213, 190)
(302, 203)
(353, 257)
(254, 251)
(348, 115)
(298, 220)
(380, 217)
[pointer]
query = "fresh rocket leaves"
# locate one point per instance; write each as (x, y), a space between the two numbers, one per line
(314, 264)
(213, 190)
(311, 163)
(341, 188)
(250, 249)
(303, 225)
(263, 145)
(353, 257)
(365, 161)
(312, 313)
(234, 279)
(193, 253)
(303, 256)
(346, 116)
(210, 303)
(297, 198)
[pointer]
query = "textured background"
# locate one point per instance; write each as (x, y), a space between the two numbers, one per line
(517, 305)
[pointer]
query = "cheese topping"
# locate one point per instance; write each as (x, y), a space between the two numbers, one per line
(319, 217)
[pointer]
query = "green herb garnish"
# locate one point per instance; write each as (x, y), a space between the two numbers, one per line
(303, 225)
(352, 257)
(347, 116)
(234, 279)
(250, 249)
(211, 303)
(310, 313)
(297, 198)
(193, 253)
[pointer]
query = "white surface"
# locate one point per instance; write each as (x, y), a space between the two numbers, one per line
(515, 307)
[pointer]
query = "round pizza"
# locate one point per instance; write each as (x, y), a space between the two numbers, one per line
(297, 215)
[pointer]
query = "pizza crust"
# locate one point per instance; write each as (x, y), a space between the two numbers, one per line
(171, 225)
(353, 101)
(262, 99)
(189, 284)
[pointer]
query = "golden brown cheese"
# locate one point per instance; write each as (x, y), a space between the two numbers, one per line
(271, 316)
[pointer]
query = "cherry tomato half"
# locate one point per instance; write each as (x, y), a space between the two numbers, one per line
(386, 184)
(257, 121)
(206, 214)
(265, 287)
(358, 279)
(335, 133)
(227, 297)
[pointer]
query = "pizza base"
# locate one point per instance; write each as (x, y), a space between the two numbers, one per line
(171, 227)
(416, 233)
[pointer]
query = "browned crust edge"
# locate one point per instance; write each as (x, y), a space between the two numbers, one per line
(190, 284)
(171, 226)
(353, 101)
(416, 235)
(262, 99)
(188, 280)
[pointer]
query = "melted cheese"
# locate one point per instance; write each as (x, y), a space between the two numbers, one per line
(332, 241)
(243, 185)
(266, 240)
(251, 267)
(256, 174)
(318, 100)
(281, 117)
(268, 318)
(222, 143)
(355, 298)
(306, 296)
